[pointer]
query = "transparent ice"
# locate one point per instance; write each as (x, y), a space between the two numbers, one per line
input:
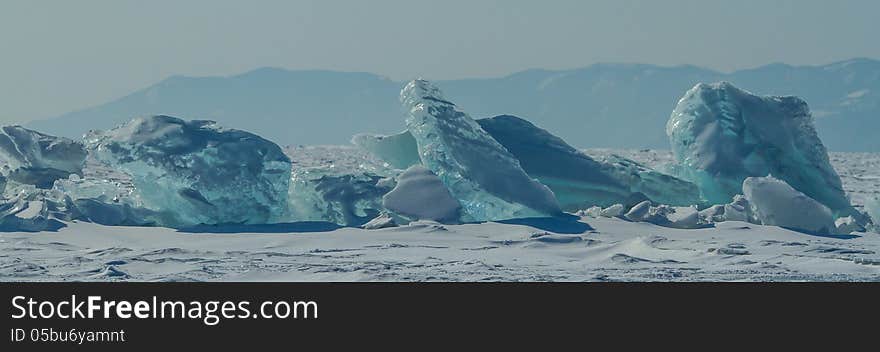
(721, 135)
(337, 184)
(577, 180)
(196, 170)
(399, 150)
(486, 179)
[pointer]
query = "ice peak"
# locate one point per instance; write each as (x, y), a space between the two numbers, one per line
(790, 106)
(721, 86)
(486, 178)
(418, 91)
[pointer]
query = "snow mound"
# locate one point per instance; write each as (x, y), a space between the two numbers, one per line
(32, 158)
(487, 180)
(198, 171)
(721, 135)
(421, 195)
(775, 202)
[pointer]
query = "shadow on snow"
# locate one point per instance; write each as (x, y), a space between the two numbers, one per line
(564, 224)
(299, 227)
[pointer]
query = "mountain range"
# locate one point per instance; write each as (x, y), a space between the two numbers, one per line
(602, 105)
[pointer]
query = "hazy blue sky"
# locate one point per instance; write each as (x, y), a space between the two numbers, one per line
(56, 56)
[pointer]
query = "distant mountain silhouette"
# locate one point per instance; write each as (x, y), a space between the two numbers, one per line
(603, 105)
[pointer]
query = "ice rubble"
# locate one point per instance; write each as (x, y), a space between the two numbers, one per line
(197, 171)
(32, 163)
(486, 179)
(737, 210)
(847, 225)
(665, 215)
(767, 201)
(614, 210)
(32, 158)
(721, 135)
(323, 194)
(27, 215)
(336, 184)
(383, 221)
(421, 195)
(775, 202)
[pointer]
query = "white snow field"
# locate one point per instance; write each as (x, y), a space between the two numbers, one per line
(538, 249)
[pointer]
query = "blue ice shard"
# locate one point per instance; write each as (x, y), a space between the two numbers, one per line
(486, 179)
(580, 181)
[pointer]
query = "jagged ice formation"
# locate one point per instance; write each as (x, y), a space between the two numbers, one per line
(486, 179)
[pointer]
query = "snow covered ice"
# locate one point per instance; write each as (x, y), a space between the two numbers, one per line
(721, 135)
(774, 202)
(421, 195)
(665, 215)
(610, 249)
(198, 171)
(32, 162)
(737, 210)
(30, 157)
(486, 179)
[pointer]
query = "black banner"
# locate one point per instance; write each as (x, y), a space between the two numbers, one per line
(336, 314)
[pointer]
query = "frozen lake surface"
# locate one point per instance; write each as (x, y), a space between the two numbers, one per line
(538, 249)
